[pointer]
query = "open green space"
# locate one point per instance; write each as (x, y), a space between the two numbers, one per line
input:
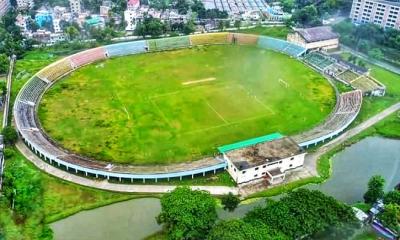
(180, 105)
(275, 31)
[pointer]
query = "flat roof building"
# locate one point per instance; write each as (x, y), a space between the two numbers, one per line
(4, 6)
(266, 157)
(315, 38)
(383, 13)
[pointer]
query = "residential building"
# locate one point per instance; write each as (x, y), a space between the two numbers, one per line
(25, 4)
(383, 13)
(315, 38)
(4, 6)
(56, 25)
(133, 4)
(21, 21)
(43, 17)
(267, 157)
(75, 6)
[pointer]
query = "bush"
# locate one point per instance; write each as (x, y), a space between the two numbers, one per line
(10, 135)
(8, 153)
(230, 202)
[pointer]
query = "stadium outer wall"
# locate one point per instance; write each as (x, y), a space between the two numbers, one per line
(34, 137)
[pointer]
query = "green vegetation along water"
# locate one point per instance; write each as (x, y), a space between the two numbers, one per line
(351, 170)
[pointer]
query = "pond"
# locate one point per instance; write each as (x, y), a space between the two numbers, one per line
(135, 219)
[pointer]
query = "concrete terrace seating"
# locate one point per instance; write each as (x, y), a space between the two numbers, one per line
(365, 84)
(32, 90)
(168, 43)
(318, 60)
(88, 56)
(26, 115)
(55, 70)
(348, 76)
(245, 39)
(280, 46)
(126, 48)
(211, 38)
(347, 108)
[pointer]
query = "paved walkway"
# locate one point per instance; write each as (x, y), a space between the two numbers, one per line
(312, 158)
(105, 185)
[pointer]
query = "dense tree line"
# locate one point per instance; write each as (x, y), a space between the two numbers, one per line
(188, 214)
(11, 39)
(310, 12)
(185, 6)
(154, 27)
(390, 216)
(370, 39)
(22, 201)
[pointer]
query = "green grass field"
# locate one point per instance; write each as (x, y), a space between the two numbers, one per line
(179, 106)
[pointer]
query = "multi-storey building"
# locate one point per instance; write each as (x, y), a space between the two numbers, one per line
(4, 6)
(25, 4)
(75, 6)
(383, 13)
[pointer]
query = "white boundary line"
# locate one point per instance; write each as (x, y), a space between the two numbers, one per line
(219, 115)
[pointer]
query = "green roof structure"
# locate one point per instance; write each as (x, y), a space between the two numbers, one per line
(249, 142)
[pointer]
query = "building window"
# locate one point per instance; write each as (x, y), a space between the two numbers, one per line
(280, 161)
(256, 168)
(256, 175)
(292, 158)
(263, 173)
(243, 172)
(234, 169)
(264, 166)
(291, 165)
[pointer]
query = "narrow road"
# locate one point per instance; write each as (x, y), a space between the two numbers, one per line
(8, 93)
(312, 158)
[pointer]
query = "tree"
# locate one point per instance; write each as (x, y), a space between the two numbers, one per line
(238, 230)
(22, 188)
(182, 5)
(10, 136)
(305, 213)
(237, 24)
(221, 25)
(189, 27)
(230, 202)
(375, 53)
(307, 16)
(390, 217)
(72, 32)
(375, 189)
(187, 214)
(3, 63)
(150, 26)
(392, 197)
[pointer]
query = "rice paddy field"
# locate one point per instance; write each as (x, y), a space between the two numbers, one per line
(178, 106)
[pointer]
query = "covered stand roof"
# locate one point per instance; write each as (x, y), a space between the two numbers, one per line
(317, 34)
